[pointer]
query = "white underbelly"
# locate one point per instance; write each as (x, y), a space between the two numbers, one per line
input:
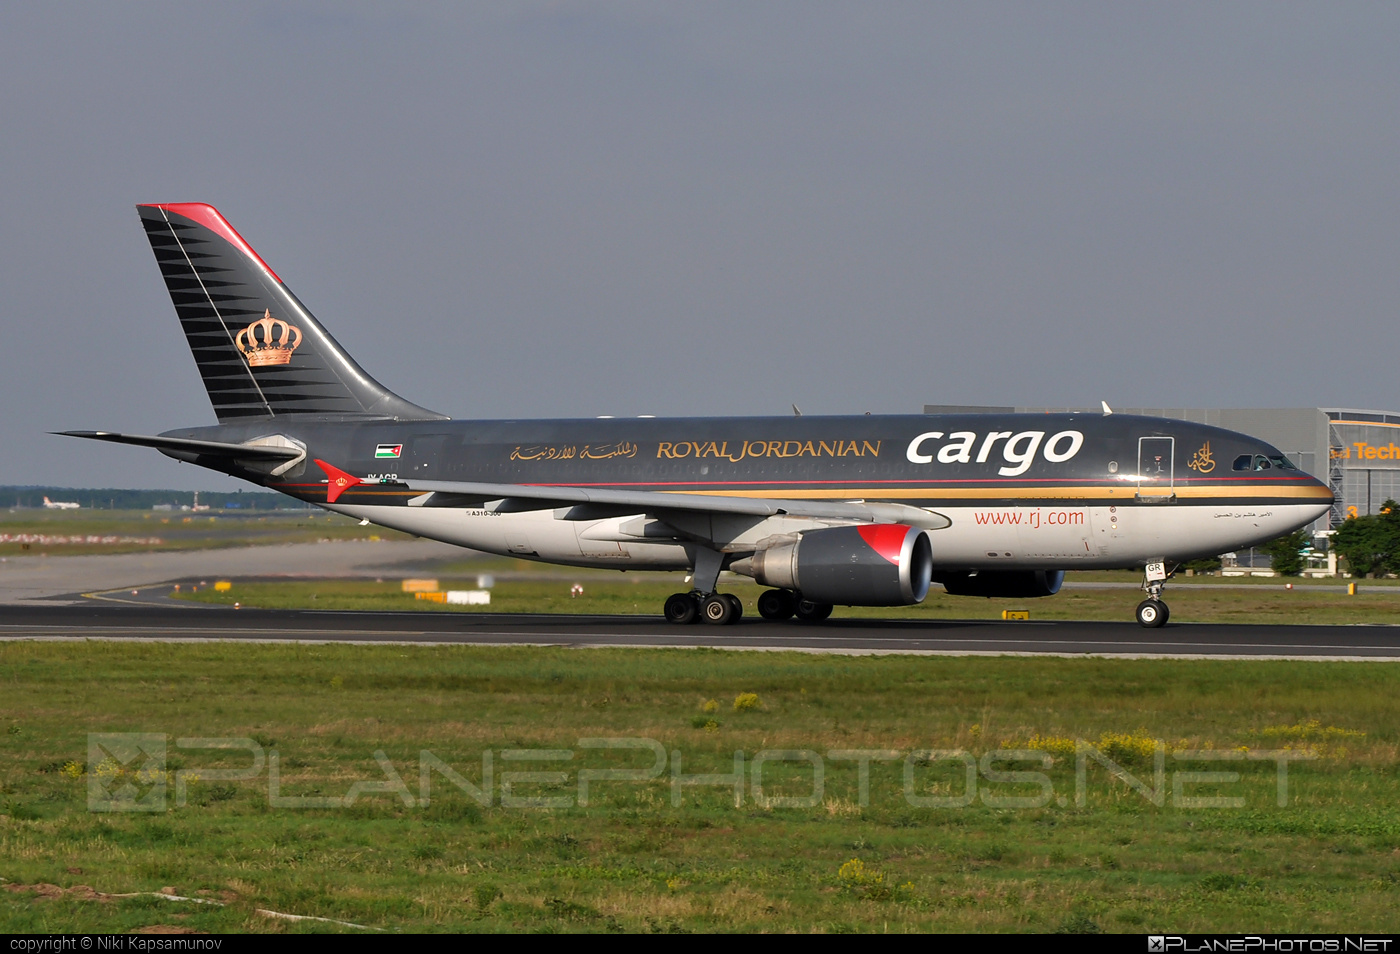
(979, 537)
(534, 535)
(1108, 536)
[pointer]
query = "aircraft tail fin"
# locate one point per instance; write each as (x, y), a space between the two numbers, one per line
(260, 352)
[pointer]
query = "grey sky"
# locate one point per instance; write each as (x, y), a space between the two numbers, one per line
(567, 209)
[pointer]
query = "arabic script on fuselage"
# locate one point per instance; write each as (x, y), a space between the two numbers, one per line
(573, 451)
(1202, 460)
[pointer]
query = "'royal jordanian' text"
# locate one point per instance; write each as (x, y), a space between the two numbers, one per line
(674, 450)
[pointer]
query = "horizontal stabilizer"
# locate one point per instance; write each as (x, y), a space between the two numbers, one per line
(186, 447)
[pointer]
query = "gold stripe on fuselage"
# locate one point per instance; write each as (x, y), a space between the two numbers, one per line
(1213, 492)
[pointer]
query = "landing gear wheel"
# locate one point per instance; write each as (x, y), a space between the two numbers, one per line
(717, 609)
(681, 608)
(810, 612)
(776, 604)
(738, 605)
(1152, 613)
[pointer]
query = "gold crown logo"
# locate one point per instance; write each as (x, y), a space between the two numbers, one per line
(274, 345)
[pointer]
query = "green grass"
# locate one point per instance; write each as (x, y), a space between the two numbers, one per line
(610, 593)
(1329, 861)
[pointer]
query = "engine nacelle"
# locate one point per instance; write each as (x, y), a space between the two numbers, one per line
(873, 565)
(1007, 584)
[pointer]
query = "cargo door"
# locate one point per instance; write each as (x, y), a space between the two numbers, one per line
(424, 454)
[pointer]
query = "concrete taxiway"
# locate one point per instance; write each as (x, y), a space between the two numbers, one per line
(107, 620)
(51, 577)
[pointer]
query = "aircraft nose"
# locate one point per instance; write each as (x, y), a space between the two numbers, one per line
(1320, 493)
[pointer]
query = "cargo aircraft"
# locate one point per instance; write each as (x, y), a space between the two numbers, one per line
(824, 511)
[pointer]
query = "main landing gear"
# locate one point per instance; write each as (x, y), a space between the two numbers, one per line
(784, 604)
(721, 609)
(703, 604)
(1152, 612)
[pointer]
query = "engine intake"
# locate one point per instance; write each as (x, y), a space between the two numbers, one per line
(874, 565)
(1007, 584)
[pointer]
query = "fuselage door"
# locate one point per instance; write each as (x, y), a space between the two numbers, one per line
(424, 456)
(1154, 471)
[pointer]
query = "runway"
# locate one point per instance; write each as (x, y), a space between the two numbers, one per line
(146, 622)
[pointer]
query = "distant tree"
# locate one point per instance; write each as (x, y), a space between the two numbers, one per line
(1206, 565)
(1371, 544)
(1285, 553)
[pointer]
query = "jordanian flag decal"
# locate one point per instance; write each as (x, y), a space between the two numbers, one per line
(388, 450)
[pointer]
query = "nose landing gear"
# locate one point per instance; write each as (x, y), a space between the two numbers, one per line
(1152, 612)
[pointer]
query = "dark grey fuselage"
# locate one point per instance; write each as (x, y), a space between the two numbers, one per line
(1127, 489)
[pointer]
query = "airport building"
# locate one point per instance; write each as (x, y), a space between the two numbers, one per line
(1356, 452)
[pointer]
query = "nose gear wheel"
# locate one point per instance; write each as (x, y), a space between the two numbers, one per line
(1152, 613)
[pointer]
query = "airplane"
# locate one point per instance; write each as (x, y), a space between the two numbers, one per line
(60, 504)
(824, 511)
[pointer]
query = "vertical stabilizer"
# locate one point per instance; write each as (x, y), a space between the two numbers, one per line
(260, 352)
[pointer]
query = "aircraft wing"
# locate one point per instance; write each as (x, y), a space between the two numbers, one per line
(590, 503)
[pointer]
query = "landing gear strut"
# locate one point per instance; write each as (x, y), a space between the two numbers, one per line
(703, 603)
(1152, 612)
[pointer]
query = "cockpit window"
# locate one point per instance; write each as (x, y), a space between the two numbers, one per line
(1262, 462)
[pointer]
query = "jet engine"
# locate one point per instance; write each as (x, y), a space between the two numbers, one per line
(872, 565)
(1008, 584)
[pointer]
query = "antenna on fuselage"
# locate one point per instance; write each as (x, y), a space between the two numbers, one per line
(1106, 409)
